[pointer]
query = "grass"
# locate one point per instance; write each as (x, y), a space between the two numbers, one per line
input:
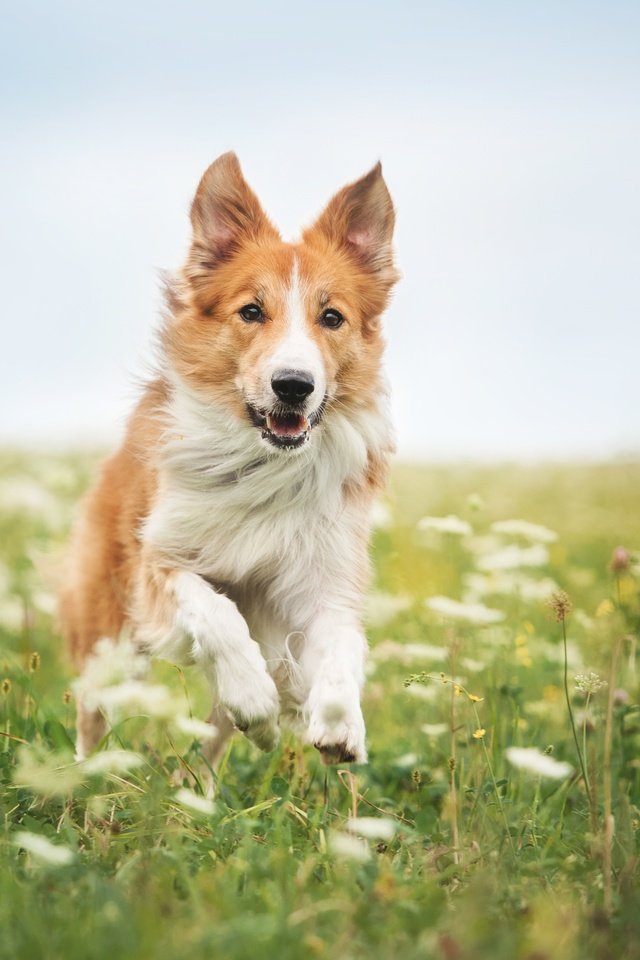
(468, 855)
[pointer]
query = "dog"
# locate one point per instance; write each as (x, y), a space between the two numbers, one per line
(230, 530)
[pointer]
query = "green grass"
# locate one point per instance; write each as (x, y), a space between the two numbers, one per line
(476, 858)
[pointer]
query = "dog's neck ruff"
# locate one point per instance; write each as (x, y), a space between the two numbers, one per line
(227, 505)
(206, 448)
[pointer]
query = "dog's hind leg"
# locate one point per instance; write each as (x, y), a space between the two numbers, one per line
(213, 748)
(91, 727)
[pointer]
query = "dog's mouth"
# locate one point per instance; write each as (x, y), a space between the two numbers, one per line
(284, 428)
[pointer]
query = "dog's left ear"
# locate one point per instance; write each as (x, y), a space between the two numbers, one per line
(360, 219)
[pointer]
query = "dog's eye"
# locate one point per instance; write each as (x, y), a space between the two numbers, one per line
(251, 313)
(332, 319)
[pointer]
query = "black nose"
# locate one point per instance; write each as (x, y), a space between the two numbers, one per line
(292, 386)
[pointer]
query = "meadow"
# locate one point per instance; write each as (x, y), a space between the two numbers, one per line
(499, 813)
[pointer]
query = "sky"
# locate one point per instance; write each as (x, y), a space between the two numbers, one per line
(510, 140)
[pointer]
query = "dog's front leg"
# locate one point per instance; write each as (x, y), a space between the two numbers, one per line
(229, 657)
(333, 663)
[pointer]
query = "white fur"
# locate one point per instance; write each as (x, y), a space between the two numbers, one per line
(229, 658)
(275, 535)
(295, 350)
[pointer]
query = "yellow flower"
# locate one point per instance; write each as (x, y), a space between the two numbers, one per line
(479, 733)
(457, 689)
(475, 699)
(604, 608)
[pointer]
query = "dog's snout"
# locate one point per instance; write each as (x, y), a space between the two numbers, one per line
(292, 386)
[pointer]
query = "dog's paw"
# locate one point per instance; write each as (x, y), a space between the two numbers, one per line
(251, 698)
(336, 726)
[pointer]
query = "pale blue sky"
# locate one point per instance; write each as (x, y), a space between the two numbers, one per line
(510, 139)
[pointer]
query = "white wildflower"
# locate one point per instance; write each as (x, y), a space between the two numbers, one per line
(25, 495)
(513, 557)
(475, 613)
(473, 666)
(507, 583)
(481, 544)
(371, 828)
(540, 764)
(11, 613)
(42, 849)
(45, 602)
(450, 524)
(423, 691)
(44, 774)
(112, 761)
(533, 532)
(589, 682)
(406, 653)
(383, 607)
(343, 846)
(434, 729)
(196, 728)
(111, 663)
(111, 681)
(193, 801)
(380, 515)
(136, 696)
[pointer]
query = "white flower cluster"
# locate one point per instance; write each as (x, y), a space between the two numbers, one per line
(533, 761)
(589, 682)
(450, 524)
(475, 613)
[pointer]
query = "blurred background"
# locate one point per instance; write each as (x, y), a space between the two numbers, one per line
(510, 141)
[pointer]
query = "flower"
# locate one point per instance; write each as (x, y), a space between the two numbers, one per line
(451, 524)
(604, 608)
(434, 729)
(620, 560)
(513, 557)
(344, 846)
(409, 652)
(195, 802)
(533, 761)
(522, 528)
(560, 604)
(380, 515)
(479, 733)
(44, 850)
(589, 682)
(371, 828)
(383, 607)
(475, 613)
(151, 699)
(44, 774)
(196, 728)
(112, 761)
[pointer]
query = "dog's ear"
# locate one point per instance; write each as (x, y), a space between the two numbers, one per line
(225, 212)
(360, 219)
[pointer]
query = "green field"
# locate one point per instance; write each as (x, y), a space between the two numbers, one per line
(448, 844)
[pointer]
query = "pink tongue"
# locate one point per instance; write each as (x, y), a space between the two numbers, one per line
(286, 426)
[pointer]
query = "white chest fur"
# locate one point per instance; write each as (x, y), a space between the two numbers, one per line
(239, 515)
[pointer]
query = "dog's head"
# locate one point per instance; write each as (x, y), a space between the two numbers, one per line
(282, 333)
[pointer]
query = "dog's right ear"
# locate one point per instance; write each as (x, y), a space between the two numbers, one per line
(225, 213)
